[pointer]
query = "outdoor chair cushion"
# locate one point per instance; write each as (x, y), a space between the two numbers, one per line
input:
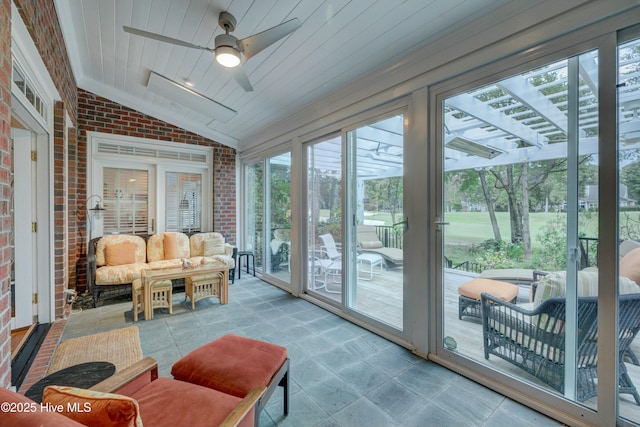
(503, 290)
(555, 285)
(630, 265)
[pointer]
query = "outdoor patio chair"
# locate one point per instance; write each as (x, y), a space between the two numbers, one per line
(368, 241)
(534, 340)
(330, 247)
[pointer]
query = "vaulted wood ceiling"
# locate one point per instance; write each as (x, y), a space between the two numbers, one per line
(339, 42)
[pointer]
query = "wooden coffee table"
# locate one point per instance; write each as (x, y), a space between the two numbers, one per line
(83, 375)
(150, 276)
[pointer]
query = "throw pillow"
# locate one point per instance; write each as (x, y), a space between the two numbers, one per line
(376, 244)
(32, 414)
(94, 408)
(120, 253)
(630, 265)
(170, 246)
(214, 246)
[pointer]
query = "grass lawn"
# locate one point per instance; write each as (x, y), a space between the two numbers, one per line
(474, 227)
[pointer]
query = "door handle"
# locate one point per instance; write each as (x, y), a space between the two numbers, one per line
(439, 223)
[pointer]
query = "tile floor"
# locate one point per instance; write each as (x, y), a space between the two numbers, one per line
(342, 375)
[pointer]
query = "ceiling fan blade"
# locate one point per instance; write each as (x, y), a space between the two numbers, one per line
(162, 38)
(241, 78)
(252, 45)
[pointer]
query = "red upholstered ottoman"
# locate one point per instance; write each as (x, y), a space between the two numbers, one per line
(234, 365)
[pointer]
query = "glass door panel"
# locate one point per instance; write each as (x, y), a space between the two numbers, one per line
(279, 216)
(629, 225)
(324, 225)
(125, 195)
(376, 204)
(520, 199)
(183, 202)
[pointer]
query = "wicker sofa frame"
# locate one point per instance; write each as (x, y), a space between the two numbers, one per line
(534, 339)
(124, 289)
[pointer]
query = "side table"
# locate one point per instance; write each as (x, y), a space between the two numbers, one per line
(83, 375)
(247, 255)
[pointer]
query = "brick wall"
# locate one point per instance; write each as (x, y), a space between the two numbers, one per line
(5, 191)
(60, 258)
(98, 114)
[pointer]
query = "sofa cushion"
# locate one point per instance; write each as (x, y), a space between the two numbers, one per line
(120, 253)
(141, 247)
(231, 364)
(32, 413)
(630, 265)
(166, 402)
(175, 246)
(94, 408)
(170, 246)
(214, 246)
(118, 274)
(196, 243)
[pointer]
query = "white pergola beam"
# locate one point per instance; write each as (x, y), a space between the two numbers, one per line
(483, 112)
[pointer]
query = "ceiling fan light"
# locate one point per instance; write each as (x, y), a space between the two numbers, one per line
(227, 56)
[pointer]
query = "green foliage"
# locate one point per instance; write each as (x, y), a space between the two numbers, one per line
(553, 239)
(493, 253)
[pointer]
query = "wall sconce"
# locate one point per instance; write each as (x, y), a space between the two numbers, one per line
(95, 212)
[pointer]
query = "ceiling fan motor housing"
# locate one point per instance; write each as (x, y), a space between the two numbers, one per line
(227, 40)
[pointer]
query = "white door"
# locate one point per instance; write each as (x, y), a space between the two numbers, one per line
(24, 273)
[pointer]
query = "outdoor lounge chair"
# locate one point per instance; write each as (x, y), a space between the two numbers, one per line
(368, 241)
(330, 248)
(534, 339)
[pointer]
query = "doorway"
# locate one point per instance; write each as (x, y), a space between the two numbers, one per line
(24, 255)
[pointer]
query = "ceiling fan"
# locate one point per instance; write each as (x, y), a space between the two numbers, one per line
(228, 48)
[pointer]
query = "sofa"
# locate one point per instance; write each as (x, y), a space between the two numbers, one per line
(115, 261)
(135, 396)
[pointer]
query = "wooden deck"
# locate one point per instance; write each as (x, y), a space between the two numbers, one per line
(382, 299)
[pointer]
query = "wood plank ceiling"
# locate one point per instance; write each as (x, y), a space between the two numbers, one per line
(339, 42)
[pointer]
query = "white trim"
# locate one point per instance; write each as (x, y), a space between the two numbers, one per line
(27, 56)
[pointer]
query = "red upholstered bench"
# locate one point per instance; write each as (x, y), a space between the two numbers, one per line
(235, 365)
(469, 300)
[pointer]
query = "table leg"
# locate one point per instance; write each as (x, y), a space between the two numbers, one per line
(148, 308)
(224, 287)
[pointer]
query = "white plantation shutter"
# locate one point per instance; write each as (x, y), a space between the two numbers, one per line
(126, 201)
(183, 202)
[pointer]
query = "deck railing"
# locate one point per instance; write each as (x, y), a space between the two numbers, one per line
(389, 237)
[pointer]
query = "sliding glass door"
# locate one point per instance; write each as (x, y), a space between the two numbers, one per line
(356, 221)
(268, 216)
(629, 224)
(520, 225)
